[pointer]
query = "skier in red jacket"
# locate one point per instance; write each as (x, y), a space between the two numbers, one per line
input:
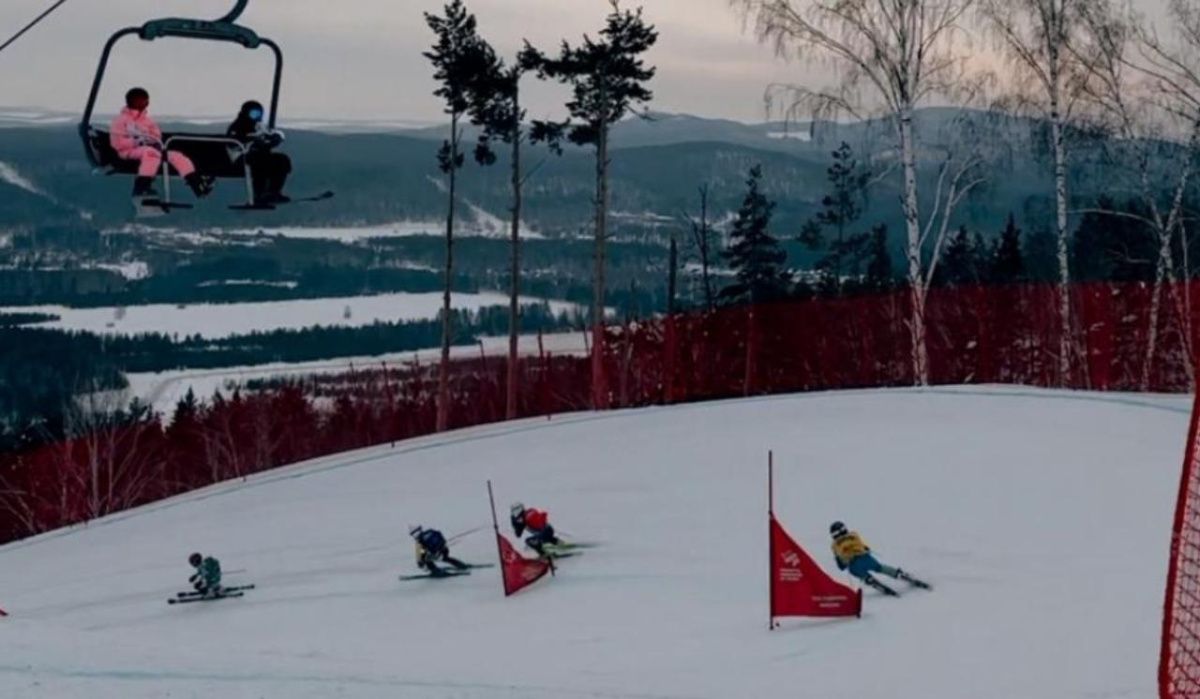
(538, 524)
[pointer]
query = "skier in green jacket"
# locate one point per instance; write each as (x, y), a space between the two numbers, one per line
(207, 578)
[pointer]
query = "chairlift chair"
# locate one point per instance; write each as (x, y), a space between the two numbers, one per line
(210, 153)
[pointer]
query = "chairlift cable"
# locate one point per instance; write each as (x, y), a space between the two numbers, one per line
(32, 24)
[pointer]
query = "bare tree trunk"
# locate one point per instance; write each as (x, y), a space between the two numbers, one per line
(1164, 274)
(1185, 302)
(1176, 221)
(1167, 264)
(514, 309)
(443, 401)
(673, 265)
(1060, 196)
(704, 250)
(1155, 303)
(599, 384)
(916, 280)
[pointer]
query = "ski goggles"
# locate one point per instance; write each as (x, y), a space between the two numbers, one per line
(256, 114)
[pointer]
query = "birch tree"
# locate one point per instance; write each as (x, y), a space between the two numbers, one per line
(1039, 39)
(895, 53)
(1146, 90)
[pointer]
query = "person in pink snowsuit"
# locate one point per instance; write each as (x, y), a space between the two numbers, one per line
(135, 136)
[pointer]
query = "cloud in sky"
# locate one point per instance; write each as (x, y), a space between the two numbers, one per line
(361, 59)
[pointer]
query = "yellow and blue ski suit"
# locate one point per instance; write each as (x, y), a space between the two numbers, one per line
(852, 553)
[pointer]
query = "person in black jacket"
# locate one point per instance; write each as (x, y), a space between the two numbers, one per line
(432, 547)
(269, 170)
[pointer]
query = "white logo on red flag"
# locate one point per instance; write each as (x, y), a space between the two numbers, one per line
(799, 587)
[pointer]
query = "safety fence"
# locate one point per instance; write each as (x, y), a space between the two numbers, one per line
(1122, 338)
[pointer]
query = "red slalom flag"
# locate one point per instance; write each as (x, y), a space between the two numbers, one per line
(798, 585)
(519, 571)
(3, 613)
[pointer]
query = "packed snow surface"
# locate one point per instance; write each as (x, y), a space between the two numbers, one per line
(214, 321)
(1042, 518)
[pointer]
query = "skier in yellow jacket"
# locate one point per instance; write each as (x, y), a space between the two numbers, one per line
(853, 554)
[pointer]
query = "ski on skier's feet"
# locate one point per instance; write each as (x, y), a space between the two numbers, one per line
(474, 566)
(571, 545)
(872, 582)
(205, 598)
(145, 207)
(563, 550)
(224, 590)
(193, 596)
(452, 573)
(920, 584)
(272, 204)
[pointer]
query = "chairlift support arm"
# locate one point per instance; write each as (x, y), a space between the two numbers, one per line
(238, 8)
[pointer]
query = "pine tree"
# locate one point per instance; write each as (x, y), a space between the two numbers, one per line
(880, 275)
(608, 80)
(841, 205)
(496, 109)
(753, 253)
(458, 58)
(841, 208)
(962, 262)
(1007, 262)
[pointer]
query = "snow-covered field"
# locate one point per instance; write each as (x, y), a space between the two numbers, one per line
(484, 225)
(163, 390)
(223, 320)
(1042, 518)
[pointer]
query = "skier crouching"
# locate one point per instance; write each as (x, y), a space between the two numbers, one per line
(432, 547)
(853, 554)
(541, 534)
(207, 578)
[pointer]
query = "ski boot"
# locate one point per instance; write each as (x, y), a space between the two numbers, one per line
(871, 581)
(201, 185)
(912, 581)
(143, 188)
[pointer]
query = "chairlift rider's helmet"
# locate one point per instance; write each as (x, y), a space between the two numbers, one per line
(253, 111)
(837, 530)
(137, 98)
(195, 559)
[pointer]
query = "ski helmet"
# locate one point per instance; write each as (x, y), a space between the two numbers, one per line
(415, 530)
(253, 110)
(195, 559)
(517, 509)
(837, 529)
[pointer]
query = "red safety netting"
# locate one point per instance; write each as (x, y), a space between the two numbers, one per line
(1179, 664)
(1005, 334)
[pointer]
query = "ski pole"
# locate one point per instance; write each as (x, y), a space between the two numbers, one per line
(456, 537)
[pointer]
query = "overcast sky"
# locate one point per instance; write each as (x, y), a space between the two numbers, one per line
(361, 59)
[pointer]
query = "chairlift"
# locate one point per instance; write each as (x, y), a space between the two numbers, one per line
(210, 153)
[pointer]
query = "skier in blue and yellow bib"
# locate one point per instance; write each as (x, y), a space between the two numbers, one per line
(432, 547)
(853, 554)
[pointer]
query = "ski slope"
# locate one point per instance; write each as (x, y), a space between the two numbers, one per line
(1041, 517)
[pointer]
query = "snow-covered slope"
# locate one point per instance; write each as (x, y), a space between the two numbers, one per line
(1042, 518)
(9, 174)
